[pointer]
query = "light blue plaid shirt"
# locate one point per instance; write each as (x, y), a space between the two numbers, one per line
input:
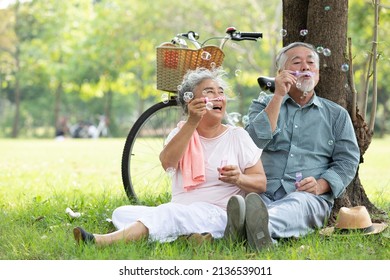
(317, 139)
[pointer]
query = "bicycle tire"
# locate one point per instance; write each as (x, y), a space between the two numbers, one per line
(142, 173)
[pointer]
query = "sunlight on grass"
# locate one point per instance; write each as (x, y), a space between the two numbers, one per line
(39, 179)
(374, 172)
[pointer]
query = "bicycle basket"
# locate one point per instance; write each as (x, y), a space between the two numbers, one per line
(174, 62)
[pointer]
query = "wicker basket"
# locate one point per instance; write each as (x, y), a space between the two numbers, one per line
(174, 62)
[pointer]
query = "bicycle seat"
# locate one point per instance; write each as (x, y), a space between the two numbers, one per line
(266, 83)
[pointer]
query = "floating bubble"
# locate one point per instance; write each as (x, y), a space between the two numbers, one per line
(188, 96)
(327, 52)
(170, 171)
(204, 93)
(209, 105)
(245, 120)
(303, 32)
(298, 84)
(269, 84)
(346, 86)
(262, 96)
(283, 32)
(213, 65)
(345, 67)
(205, 55)
(237, 72)
(165, 98)
(178, 87)
(233, 118)
(320, 49)
(327, 8)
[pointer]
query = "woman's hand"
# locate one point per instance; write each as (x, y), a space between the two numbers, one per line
(196, 110)
(230, 174)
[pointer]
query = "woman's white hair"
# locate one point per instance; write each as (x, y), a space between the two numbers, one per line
(194, 77)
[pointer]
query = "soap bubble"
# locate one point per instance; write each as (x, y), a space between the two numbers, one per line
(345, 67)
(165, 98)
(188, 96)
(233, 118)
(262, 96)
(205, 55)
(170, 171)
(327, 8)
(320, 49)
(209, 105)
(327, 52)
(237, 72)
(245, 120)
(283, 32)
(303, 32)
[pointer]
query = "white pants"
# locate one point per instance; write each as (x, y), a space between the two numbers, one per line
(168, 221)
(296, 214)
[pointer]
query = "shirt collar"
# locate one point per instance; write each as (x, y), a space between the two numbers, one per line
(315, 100)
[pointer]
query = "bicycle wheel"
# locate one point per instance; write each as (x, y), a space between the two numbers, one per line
(142, 173)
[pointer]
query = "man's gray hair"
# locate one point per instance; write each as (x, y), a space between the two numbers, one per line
(194, 77)
(281, 57)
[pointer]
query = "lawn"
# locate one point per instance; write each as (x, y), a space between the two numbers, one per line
(39, 179)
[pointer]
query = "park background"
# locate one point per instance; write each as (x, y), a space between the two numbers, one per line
(81, 60)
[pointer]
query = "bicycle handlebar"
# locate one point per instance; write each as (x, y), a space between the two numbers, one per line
(240, 36)
(233, 34)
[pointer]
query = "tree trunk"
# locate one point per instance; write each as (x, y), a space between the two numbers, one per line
(326, 24)
(57, 105)
(15, 125)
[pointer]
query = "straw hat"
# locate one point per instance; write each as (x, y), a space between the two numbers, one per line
(354, 219)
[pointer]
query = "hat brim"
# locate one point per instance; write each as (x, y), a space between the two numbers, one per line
(376, 228)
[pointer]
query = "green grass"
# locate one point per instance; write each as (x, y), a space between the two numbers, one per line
(39, 179)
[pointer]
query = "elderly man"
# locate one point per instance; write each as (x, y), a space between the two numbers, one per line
(310, 155)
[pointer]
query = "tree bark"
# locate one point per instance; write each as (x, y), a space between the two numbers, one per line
(326, 24)
(15, 125)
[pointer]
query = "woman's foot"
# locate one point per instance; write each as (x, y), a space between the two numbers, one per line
(200, 238)
(82, 236)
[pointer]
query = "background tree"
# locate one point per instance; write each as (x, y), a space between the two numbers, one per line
(82, 58)
(326, 25)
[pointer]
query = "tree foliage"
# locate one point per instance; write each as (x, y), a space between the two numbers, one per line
(81, 59)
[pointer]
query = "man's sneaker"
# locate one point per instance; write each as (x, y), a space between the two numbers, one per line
(235, 228)
(256, 222)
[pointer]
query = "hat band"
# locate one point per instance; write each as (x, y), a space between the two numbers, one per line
(348, 230)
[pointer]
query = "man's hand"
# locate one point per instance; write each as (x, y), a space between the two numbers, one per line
(283, 82)
(311, 185)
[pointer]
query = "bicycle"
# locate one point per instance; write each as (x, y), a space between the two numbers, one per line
(142, 174)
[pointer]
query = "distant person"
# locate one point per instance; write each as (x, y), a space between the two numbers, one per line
(310, 153)
(212, 162)
(62, 129)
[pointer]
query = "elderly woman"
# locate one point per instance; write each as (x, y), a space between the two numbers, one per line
(212, 163)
